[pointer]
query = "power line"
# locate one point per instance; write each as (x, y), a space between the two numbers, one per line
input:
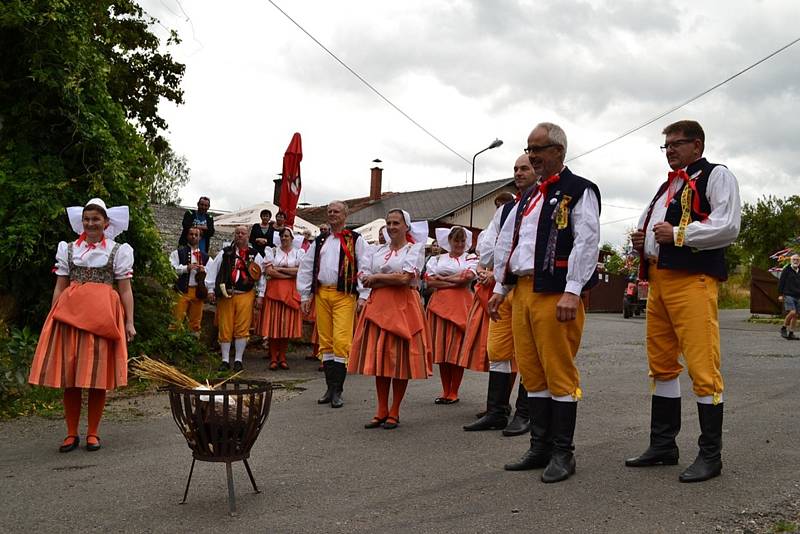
(692, 99)
(619, 220)
(369, 85)
(620, 207)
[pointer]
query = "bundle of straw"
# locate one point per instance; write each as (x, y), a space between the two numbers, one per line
(150, 369)
(158, 371)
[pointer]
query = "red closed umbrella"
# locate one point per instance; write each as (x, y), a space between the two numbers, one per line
(291, 184)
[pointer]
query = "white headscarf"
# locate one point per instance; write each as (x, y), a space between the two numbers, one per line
(442, 235)
(118, 218)
(418, 231)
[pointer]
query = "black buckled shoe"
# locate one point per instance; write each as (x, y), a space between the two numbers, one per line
(518, 426)
(67, 447)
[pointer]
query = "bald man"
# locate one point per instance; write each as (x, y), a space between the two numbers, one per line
(328, 274)
(233, 280)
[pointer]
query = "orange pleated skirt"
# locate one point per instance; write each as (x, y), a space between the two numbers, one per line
(83, 343)
(447, 320)
(280, 315)
(474, 355)
(391, 339)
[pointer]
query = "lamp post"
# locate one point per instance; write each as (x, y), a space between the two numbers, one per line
(496, 143)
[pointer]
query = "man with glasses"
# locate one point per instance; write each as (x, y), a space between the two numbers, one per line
(548, 250)
(681, 240)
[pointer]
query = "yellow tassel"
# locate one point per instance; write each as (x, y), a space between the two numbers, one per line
(652, 386)
(578, 395)
(715, 398)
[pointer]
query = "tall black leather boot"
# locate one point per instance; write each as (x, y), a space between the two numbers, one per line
(708, 463)
(328, 368)
(665, 423)
(562, 461)
(538, 455)
(521, 423)
(496, 399)
(340, 373)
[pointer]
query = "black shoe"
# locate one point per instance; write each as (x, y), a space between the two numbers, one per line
(496, 400)
(792, 336)
(237, 366)
(224, 366)
(540, 451)
(70, 446)
(562, 462)
(708, 463)
(784, 333)
(518, 426)
(376, 422)
(391, 423)
(665, 423)
(336, 399)
(91, 447)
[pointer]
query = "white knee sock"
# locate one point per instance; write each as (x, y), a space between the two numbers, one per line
(226, 350)
(500, 367)
(670, 389)
(545, 393)
(239, 344)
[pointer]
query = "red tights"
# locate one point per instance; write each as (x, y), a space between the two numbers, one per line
(398, 387)
(451, 376)
(72, 412)
(277, 349)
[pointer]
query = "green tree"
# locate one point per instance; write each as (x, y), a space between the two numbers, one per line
(80, 83)
(767, 225)
(173, 175)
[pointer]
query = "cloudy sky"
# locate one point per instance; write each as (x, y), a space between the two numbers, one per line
(470, 71)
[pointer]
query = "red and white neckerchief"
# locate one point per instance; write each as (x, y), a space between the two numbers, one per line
(542, 192)
(240, 265)
(89, 246)
(671, 177)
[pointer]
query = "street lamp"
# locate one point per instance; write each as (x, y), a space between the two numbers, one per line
(496, 143)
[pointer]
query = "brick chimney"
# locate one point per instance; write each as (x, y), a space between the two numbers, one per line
(375, 179)
(276, 194)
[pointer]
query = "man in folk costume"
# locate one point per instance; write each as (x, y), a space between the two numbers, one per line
(233, 279)
(328, 274)
(189, 262)
(500, 342)
(548, 250)
(681, 239)
(83, 343)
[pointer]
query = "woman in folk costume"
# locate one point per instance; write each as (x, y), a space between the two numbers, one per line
(450, 275)
(391, 342)
(473, 353)
(281, 319)
(83, 344)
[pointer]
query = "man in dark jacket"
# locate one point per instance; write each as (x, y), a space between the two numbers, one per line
(201, 219)
(789, 291)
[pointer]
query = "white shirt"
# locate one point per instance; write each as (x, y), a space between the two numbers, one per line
(278, 258)
(447, 265)
(585, 220)
(329, 265)
(488, 239)
(86, 255)
(212, 268)
(175, 261)
(719, 230)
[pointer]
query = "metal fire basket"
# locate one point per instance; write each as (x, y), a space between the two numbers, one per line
(222, 425)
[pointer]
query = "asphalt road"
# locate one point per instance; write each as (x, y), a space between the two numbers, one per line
(320, 471)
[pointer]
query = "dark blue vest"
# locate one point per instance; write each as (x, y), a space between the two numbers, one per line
(544, 281)
(182, 283)
(710, 262)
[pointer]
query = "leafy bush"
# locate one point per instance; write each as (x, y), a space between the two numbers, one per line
(17, 397)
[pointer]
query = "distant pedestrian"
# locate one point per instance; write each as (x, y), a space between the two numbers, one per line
(262, 234)
(199, 218)
(789, 290)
